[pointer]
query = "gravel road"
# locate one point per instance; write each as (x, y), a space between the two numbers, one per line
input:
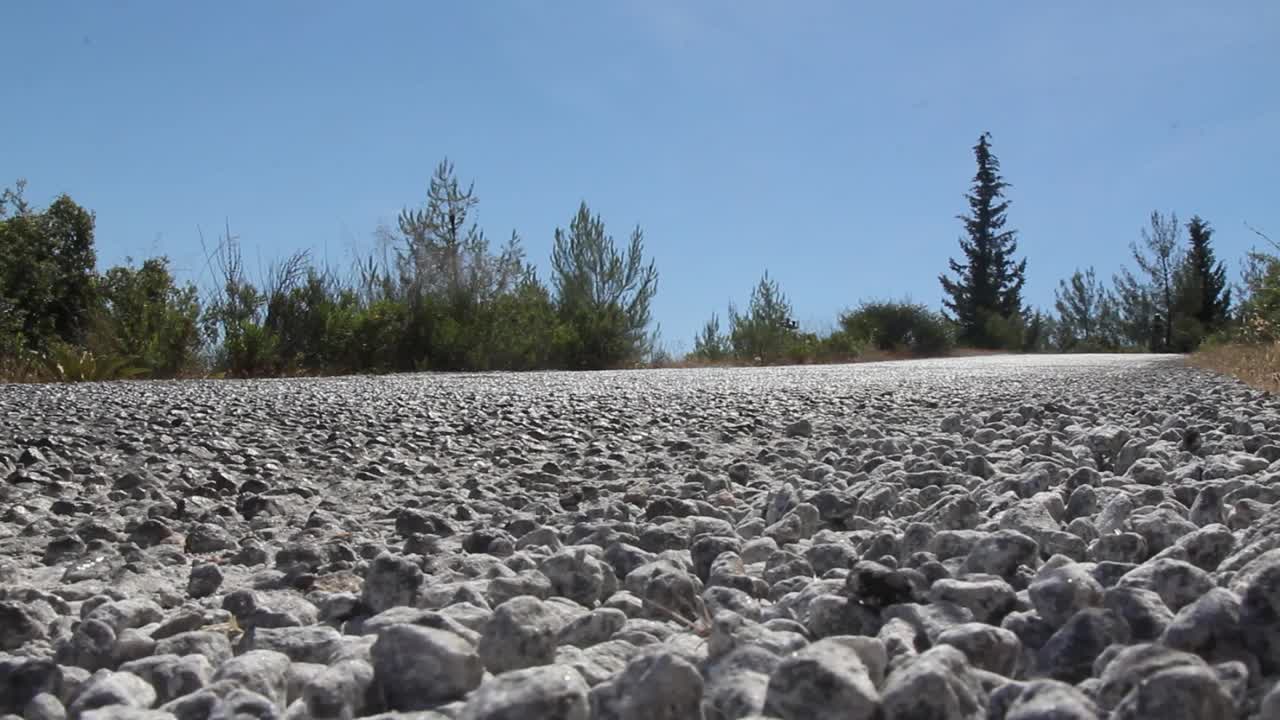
(1000, 537)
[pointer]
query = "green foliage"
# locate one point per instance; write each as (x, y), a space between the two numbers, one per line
(1258, 314)
(602, 294)
(67, 363)
(444, 258)
(804, 348)
(1087, 314)
(710, 344)
(1038, 329)
(986, 293)
(526, 333)
(234, 320)
(900, 327)
(1159, 258)
(147, 320)
(366, 337)
(840, 346)
(1135, 312)
(250, 349)
(12, 340)
(47, 273)
(1202, 300)
(445, 301)
(765, 333)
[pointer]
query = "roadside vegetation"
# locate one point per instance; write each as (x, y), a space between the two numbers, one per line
(442, 296)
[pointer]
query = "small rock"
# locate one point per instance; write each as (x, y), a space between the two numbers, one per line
(391, 581)
(799, 428)
(204, 581)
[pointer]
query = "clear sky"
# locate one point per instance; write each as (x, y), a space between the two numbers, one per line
(827, 141)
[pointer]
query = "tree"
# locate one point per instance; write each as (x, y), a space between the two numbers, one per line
(147, 319)
(47, 268)
(1086, 312)
(710, 344)
(1135, 311)
(1203, 298)
(1258, 312)
(602, 294)
(450, 278)
(445, 257)
(1159, 259)
(765, 331)
(1039, 330)
(988, 283)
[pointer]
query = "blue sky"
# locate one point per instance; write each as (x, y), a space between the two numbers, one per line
(826, 141)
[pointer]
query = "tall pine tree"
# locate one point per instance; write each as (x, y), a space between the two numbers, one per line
(1204, 290)
(985, 296)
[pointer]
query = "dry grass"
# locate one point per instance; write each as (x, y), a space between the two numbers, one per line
(1256, 364)
(18, 371)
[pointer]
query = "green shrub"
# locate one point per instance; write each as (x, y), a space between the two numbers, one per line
(900, 327)
(840, 345)
(765, 332)
(250, 350)
(67, 363)
(1005, 333)
(147, 319)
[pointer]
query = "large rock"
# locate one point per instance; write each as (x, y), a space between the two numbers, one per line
(577, 575)
(1069, 654)
(1133, 665)
(1177, 582)
(1001, 553)
(522, 633)
(554, 692)
(939, 683)
(989, 648)
(1043, 700)
(1187, 692)
(1059, 592)
(824, 680)
(657, 685)
(108, 688)
(419, 667)
(265, 672)
(1258, 586)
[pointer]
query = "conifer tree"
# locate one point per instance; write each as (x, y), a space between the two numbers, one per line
(986, 292)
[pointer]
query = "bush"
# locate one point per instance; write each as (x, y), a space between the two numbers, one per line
(765, 331)
(1005, 333)
(840, 345)
(147, 320)
(67, 363)
(900, 327)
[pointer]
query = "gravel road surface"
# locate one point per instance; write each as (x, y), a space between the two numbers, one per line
(999, 537)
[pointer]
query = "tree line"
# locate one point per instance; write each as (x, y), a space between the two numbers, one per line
(1175, 299)
(441, 296)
